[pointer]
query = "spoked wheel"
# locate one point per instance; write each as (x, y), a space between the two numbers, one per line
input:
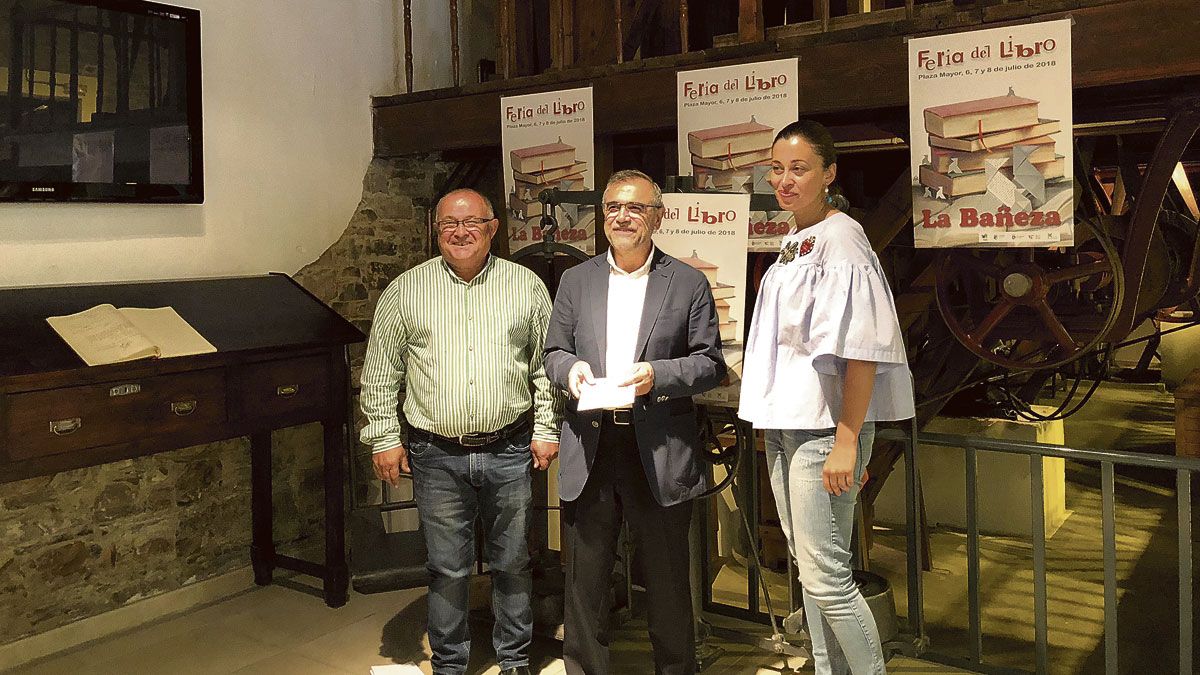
(1028, 309)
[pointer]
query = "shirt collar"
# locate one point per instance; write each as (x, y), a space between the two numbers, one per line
(636, 274)
(478, 278)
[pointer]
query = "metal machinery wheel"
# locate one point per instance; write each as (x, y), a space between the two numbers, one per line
(1027, 308)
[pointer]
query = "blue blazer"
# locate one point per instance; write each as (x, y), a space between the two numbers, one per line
(680, 340)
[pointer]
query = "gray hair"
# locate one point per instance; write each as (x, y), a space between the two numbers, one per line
(629, 175)
(487, 203)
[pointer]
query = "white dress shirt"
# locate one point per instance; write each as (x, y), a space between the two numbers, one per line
(826, 300)
(626, 295)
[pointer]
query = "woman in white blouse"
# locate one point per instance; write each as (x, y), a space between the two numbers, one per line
(824, 361)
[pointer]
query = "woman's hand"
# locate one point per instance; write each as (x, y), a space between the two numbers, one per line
(838, 475)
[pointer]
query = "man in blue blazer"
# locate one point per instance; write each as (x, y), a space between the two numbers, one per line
(642, 318)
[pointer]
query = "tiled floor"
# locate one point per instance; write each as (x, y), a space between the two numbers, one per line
(284, 631)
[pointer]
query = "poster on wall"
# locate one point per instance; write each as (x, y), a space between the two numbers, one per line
(547, 143)
(708, 232)
(728, 117)
(990, 122)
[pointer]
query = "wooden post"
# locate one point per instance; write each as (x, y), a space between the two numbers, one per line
(683, 26)
(408, 51)
(568, 33)
(620, 31)
(454, 52)
(561, 34)
(507, 45)
(750, 21)
(821, 11)
(556, 33)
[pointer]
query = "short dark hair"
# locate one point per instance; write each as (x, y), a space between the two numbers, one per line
(817, 136)
(627, 175)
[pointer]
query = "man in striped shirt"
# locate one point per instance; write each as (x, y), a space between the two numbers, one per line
(463, 335)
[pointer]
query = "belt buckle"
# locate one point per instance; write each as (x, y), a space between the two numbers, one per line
(476, 440)
(622, 417)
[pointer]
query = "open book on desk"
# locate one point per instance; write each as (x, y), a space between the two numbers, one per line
(105, 334)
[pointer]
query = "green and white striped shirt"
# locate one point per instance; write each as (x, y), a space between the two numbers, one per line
(468, 354)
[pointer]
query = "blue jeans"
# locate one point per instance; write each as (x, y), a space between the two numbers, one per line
(452, 486)
(818, 527)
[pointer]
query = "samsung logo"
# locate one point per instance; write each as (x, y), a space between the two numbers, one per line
(42, 189)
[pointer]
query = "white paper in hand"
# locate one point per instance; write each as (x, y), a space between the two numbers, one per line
(605, 392)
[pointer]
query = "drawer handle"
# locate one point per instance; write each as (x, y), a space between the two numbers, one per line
(183, 408)
(67, 426)
(125, 389)
(287, 390)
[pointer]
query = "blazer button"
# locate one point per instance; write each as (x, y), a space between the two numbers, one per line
(595, 424)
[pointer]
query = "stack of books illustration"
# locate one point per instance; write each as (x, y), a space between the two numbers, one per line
(724, 158)
(731, 337)
(541, 167)
(997, 144)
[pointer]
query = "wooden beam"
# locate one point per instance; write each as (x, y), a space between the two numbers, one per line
(750, 21)
(408, 52)
(683, 27)
(1158, 42)
(617, 10)
(568, 33)
(506, 25)
(455, 55)
(557, 57)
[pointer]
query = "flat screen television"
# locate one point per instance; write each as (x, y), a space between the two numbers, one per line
(100, 102)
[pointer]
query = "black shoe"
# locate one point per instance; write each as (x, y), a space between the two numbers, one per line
(519, 670)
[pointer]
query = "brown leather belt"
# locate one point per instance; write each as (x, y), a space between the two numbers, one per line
(476, 439)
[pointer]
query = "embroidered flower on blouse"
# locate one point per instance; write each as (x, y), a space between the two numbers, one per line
(806, 246)
(788, 252)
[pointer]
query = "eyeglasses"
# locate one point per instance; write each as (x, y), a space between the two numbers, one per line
(635, 209)
(474, 224)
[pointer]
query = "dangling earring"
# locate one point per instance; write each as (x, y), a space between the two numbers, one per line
(828, 196)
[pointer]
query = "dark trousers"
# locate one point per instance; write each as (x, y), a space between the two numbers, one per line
(617, 486)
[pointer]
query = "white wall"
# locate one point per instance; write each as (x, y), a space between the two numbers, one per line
(287, 139)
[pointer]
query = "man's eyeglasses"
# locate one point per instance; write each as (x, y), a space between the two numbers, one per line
(635, 209)
(474, 225)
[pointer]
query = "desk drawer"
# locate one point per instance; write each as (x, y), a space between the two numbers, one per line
(280, 388)
(50, 422)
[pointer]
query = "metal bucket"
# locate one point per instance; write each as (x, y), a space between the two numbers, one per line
(878, 593)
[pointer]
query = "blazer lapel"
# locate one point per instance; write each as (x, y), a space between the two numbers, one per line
(600, 312)
(656, 294)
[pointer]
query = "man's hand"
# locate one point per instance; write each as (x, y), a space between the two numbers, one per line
(641, 377)
(389, 464)
(579, 374)
(838, 474)
(543, 453)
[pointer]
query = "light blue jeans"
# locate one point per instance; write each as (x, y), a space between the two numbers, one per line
(453, 486)
(818, 527)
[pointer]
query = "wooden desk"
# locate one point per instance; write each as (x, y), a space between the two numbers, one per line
(281, 361)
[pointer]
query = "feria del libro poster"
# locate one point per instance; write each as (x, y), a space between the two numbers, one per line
(708, 232)
(990, 118)
(728, 118)
(547, 143)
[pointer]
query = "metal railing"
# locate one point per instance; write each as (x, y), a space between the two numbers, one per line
(1183, 468)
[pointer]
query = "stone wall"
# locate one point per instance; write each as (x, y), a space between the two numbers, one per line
(84, 542)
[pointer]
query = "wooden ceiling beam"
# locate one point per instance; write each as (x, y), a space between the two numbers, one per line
(1156, 41)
